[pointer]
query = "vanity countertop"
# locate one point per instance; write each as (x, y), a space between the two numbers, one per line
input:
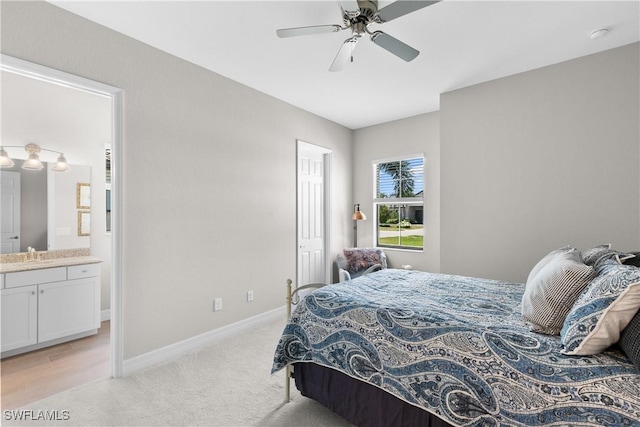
(12, 267)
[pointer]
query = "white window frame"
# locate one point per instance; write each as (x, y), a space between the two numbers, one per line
(407, 201)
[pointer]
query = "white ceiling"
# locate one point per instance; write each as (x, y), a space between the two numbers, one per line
(461, 43)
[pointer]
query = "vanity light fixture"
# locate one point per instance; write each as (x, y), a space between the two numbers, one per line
(33, 161)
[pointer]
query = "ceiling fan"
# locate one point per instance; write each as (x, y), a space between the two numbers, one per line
(358, 15)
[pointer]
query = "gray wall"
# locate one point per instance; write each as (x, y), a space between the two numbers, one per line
(519, 166)
(419, 134)
(210, 176)
(539, 160)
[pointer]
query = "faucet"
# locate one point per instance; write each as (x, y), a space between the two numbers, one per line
(31, 254)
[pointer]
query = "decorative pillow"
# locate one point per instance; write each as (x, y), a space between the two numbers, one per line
(633, 259)
(361, 258)
(547, 259)
(603, 310)
(611, 259)
(590, 256)
(550, 294)
(619, 257)
(630, 340)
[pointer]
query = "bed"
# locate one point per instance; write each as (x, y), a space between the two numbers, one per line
(402, 347)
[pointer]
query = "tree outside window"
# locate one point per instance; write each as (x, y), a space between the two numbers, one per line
(399, 187)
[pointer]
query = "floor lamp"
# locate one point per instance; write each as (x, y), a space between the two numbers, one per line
(357, 216)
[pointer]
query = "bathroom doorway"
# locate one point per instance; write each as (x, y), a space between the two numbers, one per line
(88, 149)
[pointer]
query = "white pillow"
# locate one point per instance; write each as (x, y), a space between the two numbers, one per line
(548, 258)
(551, 292)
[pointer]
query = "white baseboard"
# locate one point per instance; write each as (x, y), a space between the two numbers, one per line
(105, 315)
(195, 343)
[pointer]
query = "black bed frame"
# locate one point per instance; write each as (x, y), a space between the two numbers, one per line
(358, 402)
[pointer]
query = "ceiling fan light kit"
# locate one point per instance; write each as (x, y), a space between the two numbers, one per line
(358, 16)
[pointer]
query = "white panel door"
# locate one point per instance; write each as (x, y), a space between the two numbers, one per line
(9, 212)
(311, 221)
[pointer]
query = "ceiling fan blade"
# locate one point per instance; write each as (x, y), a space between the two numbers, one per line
(401, 8)
(304, 31)
(344, 54)
(350, 7)
(395, 46)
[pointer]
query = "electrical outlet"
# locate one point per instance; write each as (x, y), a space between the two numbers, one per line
(249, 296)
(217, 304)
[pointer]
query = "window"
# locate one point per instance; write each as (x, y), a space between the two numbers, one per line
(399, 202)
(107, 180)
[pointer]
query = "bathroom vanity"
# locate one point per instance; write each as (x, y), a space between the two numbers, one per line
(49, 301)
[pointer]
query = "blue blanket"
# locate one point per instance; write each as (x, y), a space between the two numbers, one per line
(458, 348)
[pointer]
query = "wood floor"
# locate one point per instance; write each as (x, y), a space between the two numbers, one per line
(41, 373)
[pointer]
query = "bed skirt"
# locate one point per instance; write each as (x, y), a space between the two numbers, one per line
(358, 402)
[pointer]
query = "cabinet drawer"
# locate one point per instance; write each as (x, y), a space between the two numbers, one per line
(1, 281)
(34, 277)
(82, 271)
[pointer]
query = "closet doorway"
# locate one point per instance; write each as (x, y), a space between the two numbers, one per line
(313, 172)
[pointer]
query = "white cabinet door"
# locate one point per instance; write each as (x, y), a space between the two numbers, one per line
(19, 317)
(67, 308)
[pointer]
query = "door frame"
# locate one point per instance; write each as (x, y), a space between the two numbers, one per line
(50, 75)
(326, 175)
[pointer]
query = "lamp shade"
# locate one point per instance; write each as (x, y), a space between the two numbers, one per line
(61, 164)
(358, 215)
(5, 160)
(33, 162)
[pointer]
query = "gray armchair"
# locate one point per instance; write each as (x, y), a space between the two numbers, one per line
(355, 262)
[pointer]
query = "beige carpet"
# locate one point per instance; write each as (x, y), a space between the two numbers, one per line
(227, 384)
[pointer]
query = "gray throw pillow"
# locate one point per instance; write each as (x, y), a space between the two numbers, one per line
(590, 256)
(630, 340)
(632, 260)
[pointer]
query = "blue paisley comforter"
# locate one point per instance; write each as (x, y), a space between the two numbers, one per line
(458, 348)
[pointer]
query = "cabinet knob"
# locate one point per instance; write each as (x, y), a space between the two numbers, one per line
(33, 292)
(42, 291)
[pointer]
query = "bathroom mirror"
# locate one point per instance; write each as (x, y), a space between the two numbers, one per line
(47, 213)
